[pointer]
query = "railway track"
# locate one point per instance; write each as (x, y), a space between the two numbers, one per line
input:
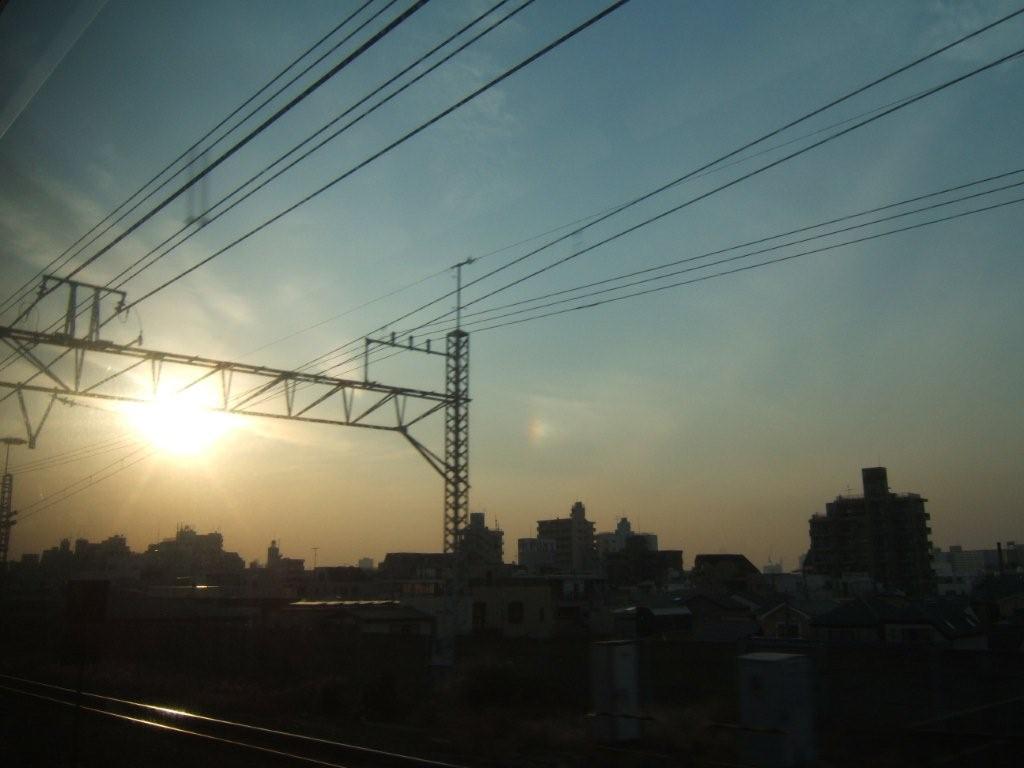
(96, 729)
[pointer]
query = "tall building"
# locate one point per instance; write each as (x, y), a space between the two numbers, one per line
(880, 533)
(574, 541)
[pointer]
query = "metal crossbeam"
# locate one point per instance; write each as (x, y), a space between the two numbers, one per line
(308, 397)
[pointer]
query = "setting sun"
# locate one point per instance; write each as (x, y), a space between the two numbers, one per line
(178, 427)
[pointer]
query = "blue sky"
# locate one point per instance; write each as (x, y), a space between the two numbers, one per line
(719, 415)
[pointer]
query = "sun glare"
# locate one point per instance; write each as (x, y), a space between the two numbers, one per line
(179, 427)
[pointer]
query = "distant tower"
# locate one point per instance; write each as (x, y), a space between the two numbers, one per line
(273, 554)
(7, 513)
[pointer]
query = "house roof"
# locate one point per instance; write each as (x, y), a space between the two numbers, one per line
(364, 610)
(713, 561)
(951, 617)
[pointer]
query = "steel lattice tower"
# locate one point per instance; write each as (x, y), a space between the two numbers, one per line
(456, 438)
(6, 517)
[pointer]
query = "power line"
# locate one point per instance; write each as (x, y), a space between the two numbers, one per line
(85, 452)
(266, 169)
(897, 106)
(373, 40)
(89, 480)
(748, 267)
(490, 311)
(727, 185)
(747, 244)
(398, 91)
(14, 297)
(324, 357)
(693, 173)
(423, 126)
(309, 89)
(349, 311)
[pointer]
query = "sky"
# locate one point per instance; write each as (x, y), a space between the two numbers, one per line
(720, 415)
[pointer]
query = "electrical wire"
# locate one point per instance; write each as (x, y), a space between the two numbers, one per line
(237, 146)
(693, 173)
(758, 241)
(4, 305)
(690, 174)
(205, 221)
(380, 103)
(748, 267)
(90, 480)
(677, 262)
(84, 452)
(757, 171)
(325, 357)
(405, 137)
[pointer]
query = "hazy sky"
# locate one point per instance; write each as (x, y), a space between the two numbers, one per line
(719, 415)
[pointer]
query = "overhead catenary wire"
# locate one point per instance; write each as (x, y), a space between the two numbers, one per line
(334, 352)
(70, 252)
(396, 143)
(155, 254)
(586, 24)
(757, 171)
(691, 174)
(690, 259)
(237, 146)
(364, 114)
(80, 454)
(749, 267)
(354, 359)
(85, 482)
(951, 44)
(717, 169)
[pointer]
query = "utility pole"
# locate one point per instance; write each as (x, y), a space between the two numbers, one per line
(7, 513)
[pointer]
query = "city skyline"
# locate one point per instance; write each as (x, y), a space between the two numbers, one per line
(720, 415)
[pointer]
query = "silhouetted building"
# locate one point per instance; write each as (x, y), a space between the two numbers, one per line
(416, 565)
(574, 541)
(621, 537)
(109, 558)
(537, 556)
(972, 564)
(726, 573)
(196, 557)
(882, 534)
(288, 572)
(482, 546)
(636, 564)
